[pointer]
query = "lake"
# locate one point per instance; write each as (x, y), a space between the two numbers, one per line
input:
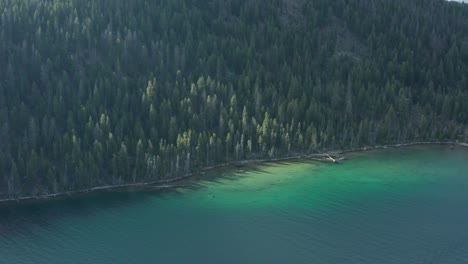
(407, 205)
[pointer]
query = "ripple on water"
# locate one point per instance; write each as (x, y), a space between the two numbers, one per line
(394, 206)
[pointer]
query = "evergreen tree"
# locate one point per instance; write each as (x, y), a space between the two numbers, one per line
(111, 92)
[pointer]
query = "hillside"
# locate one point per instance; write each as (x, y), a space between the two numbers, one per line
(106, 92)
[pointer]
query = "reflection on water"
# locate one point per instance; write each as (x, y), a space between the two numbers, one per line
(393, 206)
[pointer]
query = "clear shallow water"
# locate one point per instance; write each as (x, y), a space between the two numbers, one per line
(394, 206)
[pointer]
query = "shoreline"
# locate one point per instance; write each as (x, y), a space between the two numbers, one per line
(165, 184)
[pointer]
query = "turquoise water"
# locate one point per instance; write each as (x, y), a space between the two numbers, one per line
(393, 206)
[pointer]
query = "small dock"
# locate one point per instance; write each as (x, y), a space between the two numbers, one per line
(329, 158)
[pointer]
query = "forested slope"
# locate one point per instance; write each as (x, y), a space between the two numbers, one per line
(105, 92)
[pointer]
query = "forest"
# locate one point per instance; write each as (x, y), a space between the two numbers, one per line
(108, 92)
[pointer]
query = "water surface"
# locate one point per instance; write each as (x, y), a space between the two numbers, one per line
(393, 206)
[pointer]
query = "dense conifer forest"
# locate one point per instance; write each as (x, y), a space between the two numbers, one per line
(107, 92)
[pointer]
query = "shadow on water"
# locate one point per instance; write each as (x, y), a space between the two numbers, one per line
(236, 172)
(22, 217)
(348, 214)
(44, 212)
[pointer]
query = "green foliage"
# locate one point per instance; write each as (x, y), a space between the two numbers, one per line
(115, 91)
